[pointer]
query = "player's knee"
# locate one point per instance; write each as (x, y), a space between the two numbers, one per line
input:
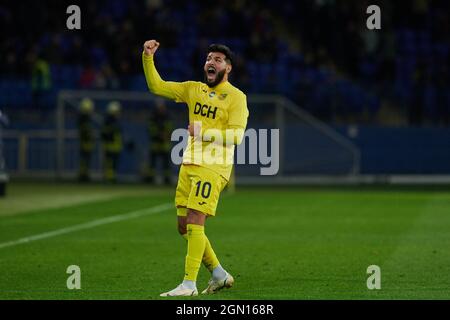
(195, 217)
(182, 225)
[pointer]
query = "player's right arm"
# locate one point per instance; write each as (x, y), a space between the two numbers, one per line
(176, 91)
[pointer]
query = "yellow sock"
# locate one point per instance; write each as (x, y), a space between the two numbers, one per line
(209, 256)
(196, 248)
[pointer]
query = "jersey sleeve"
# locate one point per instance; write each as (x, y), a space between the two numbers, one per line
(238, 113)
(177, 91)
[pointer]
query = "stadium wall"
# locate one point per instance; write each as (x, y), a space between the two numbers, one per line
(384, 151)
(401, 150)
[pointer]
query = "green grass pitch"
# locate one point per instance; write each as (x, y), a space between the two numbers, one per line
(279, 243)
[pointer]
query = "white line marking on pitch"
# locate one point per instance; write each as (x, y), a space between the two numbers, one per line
(91, 224)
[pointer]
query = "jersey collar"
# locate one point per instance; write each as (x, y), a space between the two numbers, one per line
(221, 85)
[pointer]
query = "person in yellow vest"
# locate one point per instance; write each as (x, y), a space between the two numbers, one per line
(160, 128)
(112, 141)
(41, 82)
(86, 137)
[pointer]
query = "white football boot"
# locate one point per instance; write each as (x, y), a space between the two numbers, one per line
(216, 285)
(180, 291)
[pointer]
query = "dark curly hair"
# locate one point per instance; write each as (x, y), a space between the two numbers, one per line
(222, 49)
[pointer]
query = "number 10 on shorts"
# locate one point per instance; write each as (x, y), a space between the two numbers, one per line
(205, 188)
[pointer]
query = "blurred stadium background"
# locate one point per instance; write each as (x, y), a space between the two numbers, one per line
(351, 103)
(353, 106)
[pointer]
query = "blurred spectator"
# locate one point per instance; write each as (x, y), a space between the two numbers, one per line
(106, 78)
(86, 137)
(88, 77)
(270, 37)
(41, 82)
(420, 81)
(160, 128)
(53, 51)
(112, 141)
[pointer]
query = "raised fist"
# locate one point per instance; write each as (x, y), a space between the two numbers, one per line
(150, 47)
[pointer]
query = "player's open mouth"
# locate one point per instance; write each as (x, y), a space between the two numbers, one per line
(211, 71)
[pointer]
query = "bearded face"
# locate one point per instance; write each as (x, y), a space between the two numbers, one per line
(213, 78)
(215, 68)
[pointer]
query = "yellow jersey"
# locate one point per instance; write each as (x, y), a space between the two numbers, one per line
(218, 109)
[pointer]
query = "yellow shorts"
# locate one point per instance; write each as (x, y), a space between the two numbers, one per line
(199, 189)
